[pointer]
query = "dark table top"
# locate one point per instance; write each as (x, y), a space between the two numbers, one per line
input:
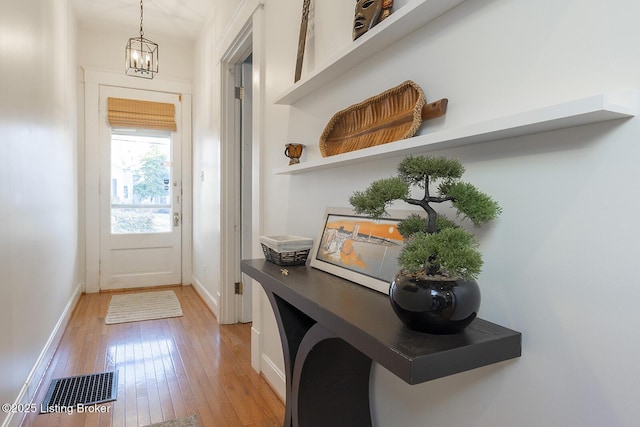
(364, 318)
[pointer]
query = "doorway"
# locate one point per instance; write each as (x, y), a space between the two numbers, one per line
(140, 197)
(238, 178)
(245, 70)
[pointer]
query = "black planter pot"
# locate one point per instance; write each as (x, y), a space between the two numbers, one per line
(435, 306)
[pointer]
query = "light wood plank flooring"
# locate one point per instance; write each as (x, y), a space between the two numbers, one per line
(168, 368)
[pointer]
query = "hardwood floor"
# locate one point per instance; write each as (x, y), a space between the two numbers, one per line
(167, 369)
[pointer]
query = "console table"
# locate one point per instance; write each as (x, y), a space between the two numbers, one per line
(332, 330)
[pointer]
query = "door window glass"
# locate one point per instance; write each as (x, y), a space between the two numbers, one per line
(140, 182)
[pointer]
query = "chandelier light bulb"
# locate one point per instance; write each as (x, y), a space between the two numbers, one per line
(141, 55)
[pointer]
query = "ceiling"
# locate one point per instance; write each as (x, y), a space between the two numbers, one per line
(178, 19)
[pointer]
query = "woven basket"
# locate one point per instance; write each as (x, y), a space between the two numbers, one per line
(390, 116)
(285, 258)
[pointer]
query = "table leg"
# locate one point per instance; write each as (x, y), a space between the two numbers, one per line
(327, 379)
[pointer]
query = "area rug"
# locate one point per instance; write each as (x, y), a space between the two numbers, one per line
(139, 306)
(191, 421)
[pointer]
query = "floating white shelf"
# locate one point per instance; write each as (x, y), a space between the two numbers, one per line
(592, 109)
(400, 23)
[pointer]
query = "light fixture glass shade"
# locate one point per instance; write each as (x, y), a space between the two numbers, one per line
(141, 58)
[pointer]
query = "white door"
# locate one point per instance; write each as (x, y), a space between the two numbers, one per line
(140, 199)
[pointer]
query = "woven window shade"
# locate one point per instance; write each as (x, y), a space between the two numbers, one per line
(132, 113)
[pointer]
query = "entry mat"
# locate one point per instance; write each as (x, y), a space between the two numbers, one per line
(140, 306)
(191, 421)
(84, 390)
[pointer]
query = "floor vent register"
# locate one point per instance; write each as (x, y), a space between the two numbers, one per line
(68, 393)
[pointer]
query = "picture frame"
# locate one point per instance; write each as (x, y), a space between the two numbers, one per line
(358, 248)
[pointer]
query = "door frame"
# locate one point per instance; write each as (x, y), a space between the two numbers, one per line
(231, 230)
(89, 160)
(245, 32)
(114, 243)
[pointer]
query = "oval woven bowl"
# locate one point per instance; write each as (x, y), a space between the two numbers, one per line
(390, 116)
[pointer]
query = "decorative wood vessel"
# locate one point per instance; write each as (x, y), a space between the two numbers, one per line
(393, 115)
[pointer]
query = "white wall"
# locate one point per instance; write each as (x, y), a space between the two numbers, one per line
(559, 262)
(103, 51)
(39, 260)
(207, 155)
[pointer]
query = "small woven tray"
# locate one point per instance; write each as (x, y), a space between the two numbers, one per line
(393, 115)
(285, 258)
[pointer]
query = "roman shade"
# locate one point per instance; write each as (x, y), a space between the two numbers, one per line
(133, 113)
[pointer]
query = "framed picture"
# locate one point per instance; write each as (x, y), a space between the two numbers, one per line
(358, 248)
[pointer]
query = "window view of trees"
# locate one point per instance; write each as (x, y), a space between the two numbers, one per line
(140, 183)
(152, 184)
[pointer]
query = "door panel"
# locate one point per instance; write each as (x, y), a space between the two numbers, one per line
(140, 199)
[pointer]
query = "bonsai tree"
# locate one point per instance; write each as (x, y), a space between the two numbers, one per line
(435, 246)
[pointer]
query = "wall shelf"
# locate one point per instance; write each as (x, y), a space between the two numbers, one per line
(592, 109)
(400, 23)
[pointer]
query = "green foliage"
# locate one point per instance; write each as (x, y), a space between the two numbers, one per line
(417, 170)
(132, 221)
(415, 223)
(380, 194)
(412, 224)
(452, 252)
(457, 253)
(416, 252)
(152, 173)
(472, 203)
(435, 245)
(443, 222)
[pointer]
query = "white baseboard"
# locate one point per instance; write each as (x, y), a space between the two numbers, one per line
(208, 299)
(274, 376)
(256, 348)
(28, 391)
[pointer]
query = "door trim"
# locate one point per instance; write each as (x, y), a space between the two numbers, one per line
(245, 33)
(230, 174)
(151, 259)
(89, 141)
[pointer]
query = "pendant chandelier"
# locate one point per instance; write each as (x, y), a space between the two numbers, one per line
(141, 55)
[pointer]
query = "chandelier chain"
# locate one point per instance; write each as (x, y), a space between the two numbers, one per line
(141, 16)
